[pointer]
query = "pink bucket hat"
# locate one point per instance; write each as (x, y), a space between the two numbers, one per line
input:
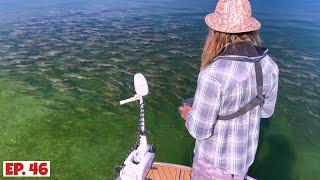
(232, 16)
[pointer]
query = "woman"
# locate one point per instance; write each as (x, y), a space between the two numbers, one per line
(236, 87)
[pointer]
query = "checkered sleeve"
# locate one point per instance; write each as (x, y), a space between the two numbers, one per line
(203, 114)
(270, 99)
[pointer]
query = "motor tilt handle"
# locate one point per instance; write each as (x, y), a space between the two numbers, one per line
(134, 98)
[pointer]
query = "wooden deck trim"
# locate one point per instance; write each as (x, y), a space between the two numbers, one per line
(168, 171)
(173, 165)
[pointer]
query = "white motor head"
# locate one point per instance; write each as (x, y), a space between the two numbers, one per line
(140, 85)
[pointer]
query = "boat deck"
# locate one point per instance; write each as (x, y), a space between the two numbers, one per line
(167, 171)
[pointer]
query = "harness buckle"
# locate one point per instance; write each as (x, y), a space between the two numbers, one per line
(261, 98)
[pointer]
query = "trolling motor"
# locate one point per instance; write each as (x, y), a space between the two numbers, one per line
(140, 158)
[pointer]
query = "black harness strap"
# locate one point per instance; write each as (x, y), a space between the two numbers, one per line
(258, 101)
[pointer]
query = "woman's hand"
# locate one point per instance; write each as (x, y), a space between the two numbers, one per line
(185, 109)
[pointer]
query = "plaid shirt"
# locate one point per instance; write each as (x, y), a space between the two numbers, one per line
(222, 88)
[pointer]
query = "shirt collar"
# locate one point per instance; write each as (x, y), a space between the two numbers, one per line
(242, 51)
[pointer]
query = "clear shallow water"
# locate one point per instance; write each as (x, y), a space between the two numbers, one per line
(64, 66)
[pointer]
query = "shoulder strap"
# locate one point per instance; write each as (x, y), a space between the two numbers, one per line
(258, 101)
